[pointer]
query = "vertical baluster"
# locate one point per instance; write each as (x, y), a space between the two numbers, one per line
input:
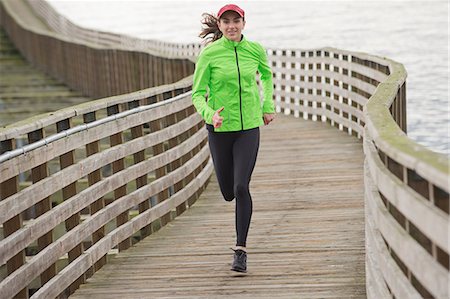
(403, 108)
(163, 195)
(156, 125)
(66, 160)
(38, 173)
(121, 191)
(8, 188)
(94, 177)
(141, 181)
(173, 119)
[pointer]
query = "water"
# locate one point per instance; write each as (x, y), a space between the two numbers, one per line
(414, 33)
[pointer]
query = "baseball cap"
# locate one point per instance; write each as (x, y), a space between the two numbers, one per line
(232, 7)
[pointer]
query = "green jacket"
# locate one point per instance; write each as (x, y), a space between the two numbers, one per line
(228, 70)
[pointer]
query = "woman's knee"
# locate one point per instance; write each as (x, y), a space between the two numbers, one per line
(241, 191)
(227, 195)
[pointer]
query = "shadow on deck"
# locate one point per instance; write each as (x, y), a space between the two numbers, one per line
(306, 239)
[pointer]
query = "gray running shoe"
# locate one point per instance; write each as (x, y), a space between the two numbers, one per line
(240, 261)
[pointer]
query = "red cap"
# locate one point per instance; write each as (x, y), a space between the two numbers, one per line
(232, 7)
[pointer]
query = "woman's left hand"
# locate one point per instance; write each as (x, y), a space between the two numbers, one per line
(268, 117)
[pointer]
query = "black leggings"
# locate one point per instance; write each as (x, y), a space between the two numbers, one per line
(234, 156)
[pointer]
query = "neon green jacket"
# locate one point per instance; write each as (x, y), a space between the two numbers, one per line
(228, 70)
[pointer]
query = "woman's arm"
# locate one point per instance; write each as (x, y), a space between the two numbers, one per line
(199, 88)
(267, 85)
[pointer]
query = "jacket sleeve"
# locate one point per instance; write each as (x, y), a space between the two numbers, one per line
(266, 81)
(199, 88)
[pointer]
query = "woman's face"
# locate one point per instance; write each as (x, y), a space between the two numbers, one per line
(231, 25)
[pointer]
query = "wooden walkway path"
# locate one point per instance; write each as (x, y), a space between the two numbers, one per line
(306, 239)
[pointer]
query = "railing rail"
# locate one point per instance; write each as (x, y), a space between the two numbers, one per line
(407, 191)
(158, 48)
(101, 186)
(407, 185)
(95, 69)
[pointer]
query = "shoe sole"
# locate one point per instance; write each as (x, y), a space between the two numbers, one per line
(238, 270)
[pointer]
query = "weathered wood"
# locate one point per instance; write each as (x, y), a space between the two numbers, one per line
(304, 240)
(33, 194)
(79, 233)
(334, 86)
(138, 157)
(70, 190)
(94, 177)
(113, 238)
(117, 166)
(424, 215)
(8, 188)
(381, 270)
(24, 237)
(38, 173)
(424, 266)
(40, 155)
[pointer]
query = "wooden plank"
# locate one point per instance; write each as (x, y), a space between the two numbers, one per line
(425, 268)
(79, 233)
(40, 155)
(23, 127)
(114, 237)
(26, 235)
(432, 221)
(26, 198)
(382, 269)
(306, 239)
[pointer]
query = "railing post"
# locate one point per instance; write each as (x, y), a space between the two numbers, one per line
(138, 157)
(70, 190)
(117, 166)
(94, 177)
(8, 188)
(38, 173)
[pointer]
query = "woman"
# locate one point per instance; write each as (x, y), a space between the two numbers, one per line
(226, 69)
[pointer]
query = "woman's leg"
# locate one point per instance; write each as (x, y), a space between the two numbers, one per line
(221, 147)
(245, 151)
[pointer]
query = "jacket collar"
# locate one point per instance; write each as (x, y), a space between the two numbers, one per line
(231, 44)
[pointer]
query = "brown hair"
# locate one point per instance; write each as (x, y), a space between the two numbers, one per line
(210, 28)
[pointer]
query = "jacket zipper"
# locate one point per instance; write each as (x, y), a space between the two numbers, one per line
(240, 89)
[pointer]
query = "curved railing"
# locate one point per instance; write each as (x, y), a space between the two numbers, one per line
(406, 185)
(406, 197)
(158, 48)
(95, 69)
(90, 180)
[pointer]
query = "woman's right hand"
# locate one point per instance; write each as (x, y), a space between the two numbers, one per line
(217, 119)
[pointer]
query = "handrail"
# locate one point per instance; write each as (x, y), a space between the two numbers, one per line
(67, 133)
(406, 184)
(65, 27)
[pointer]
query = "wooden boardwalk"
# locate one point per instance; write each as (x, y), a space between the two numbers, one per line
(306, 239)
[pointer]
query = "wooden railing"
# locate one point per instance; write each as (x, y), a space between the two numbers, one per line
(89, 180)
(95, 69)
(89, 188)
(157, 48)
(406, 185)
(406, 198)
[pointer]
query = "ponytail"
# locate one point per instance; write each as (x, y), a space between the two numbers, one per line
(210, 28)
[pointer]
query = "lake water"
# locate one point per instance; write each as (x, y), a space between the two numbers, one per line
(414, 33)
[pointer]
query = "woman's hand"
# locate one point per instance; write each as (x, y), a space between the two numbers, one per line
(217, 119)
(268, 117)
